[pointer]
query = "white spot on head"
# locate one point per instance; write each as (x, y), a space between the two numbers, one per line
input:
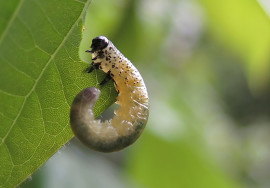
(103, 38)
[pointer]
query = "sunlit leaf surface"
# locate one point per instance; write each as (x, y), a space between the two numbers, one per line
(40, 74)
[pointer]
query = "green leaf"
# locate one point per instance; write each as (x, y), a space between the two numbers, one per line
(40, 74)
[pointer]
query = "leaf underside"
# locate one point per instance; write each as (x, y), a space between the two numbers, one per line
(40, 74)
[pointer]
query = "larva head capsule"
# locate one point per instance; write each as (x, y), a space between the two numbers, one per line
(99, 43)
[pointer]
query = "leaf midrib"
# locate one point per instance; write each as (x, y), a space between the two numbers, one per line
(46, 65)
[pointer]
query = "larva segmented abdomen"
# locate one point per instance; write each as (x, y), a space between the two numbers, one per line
(132, 114)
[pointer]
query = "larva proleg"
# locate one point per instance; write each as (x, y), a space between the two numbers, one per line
(130, 118)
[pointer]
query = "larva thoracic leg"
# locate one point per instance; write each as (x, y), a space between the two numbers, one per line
(130, 118)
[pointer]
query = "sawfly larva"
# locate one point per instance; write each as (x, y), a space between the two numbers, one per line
(131, 116)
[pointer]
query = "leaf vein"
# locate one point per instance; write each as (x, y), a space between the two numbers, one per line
(11, 94)
(3, 115)
(16, 69)
(60, 78)
(44, 132)
(49, 20)
(11, 20)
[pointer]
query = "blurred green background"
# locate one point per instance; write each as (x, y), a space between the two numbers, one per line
(206, 66)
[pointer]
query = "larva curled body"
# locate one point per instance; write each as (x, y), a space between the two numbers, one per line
(130, 118)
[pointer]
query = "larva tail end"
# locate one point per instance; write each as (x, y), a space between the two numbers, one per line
(91, 93)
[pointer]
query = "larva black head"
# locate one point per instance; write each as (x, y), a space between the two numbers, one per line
(99, 43)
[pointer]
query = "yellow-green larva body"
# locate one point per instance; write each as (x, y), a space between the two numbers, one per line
(130, 118)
